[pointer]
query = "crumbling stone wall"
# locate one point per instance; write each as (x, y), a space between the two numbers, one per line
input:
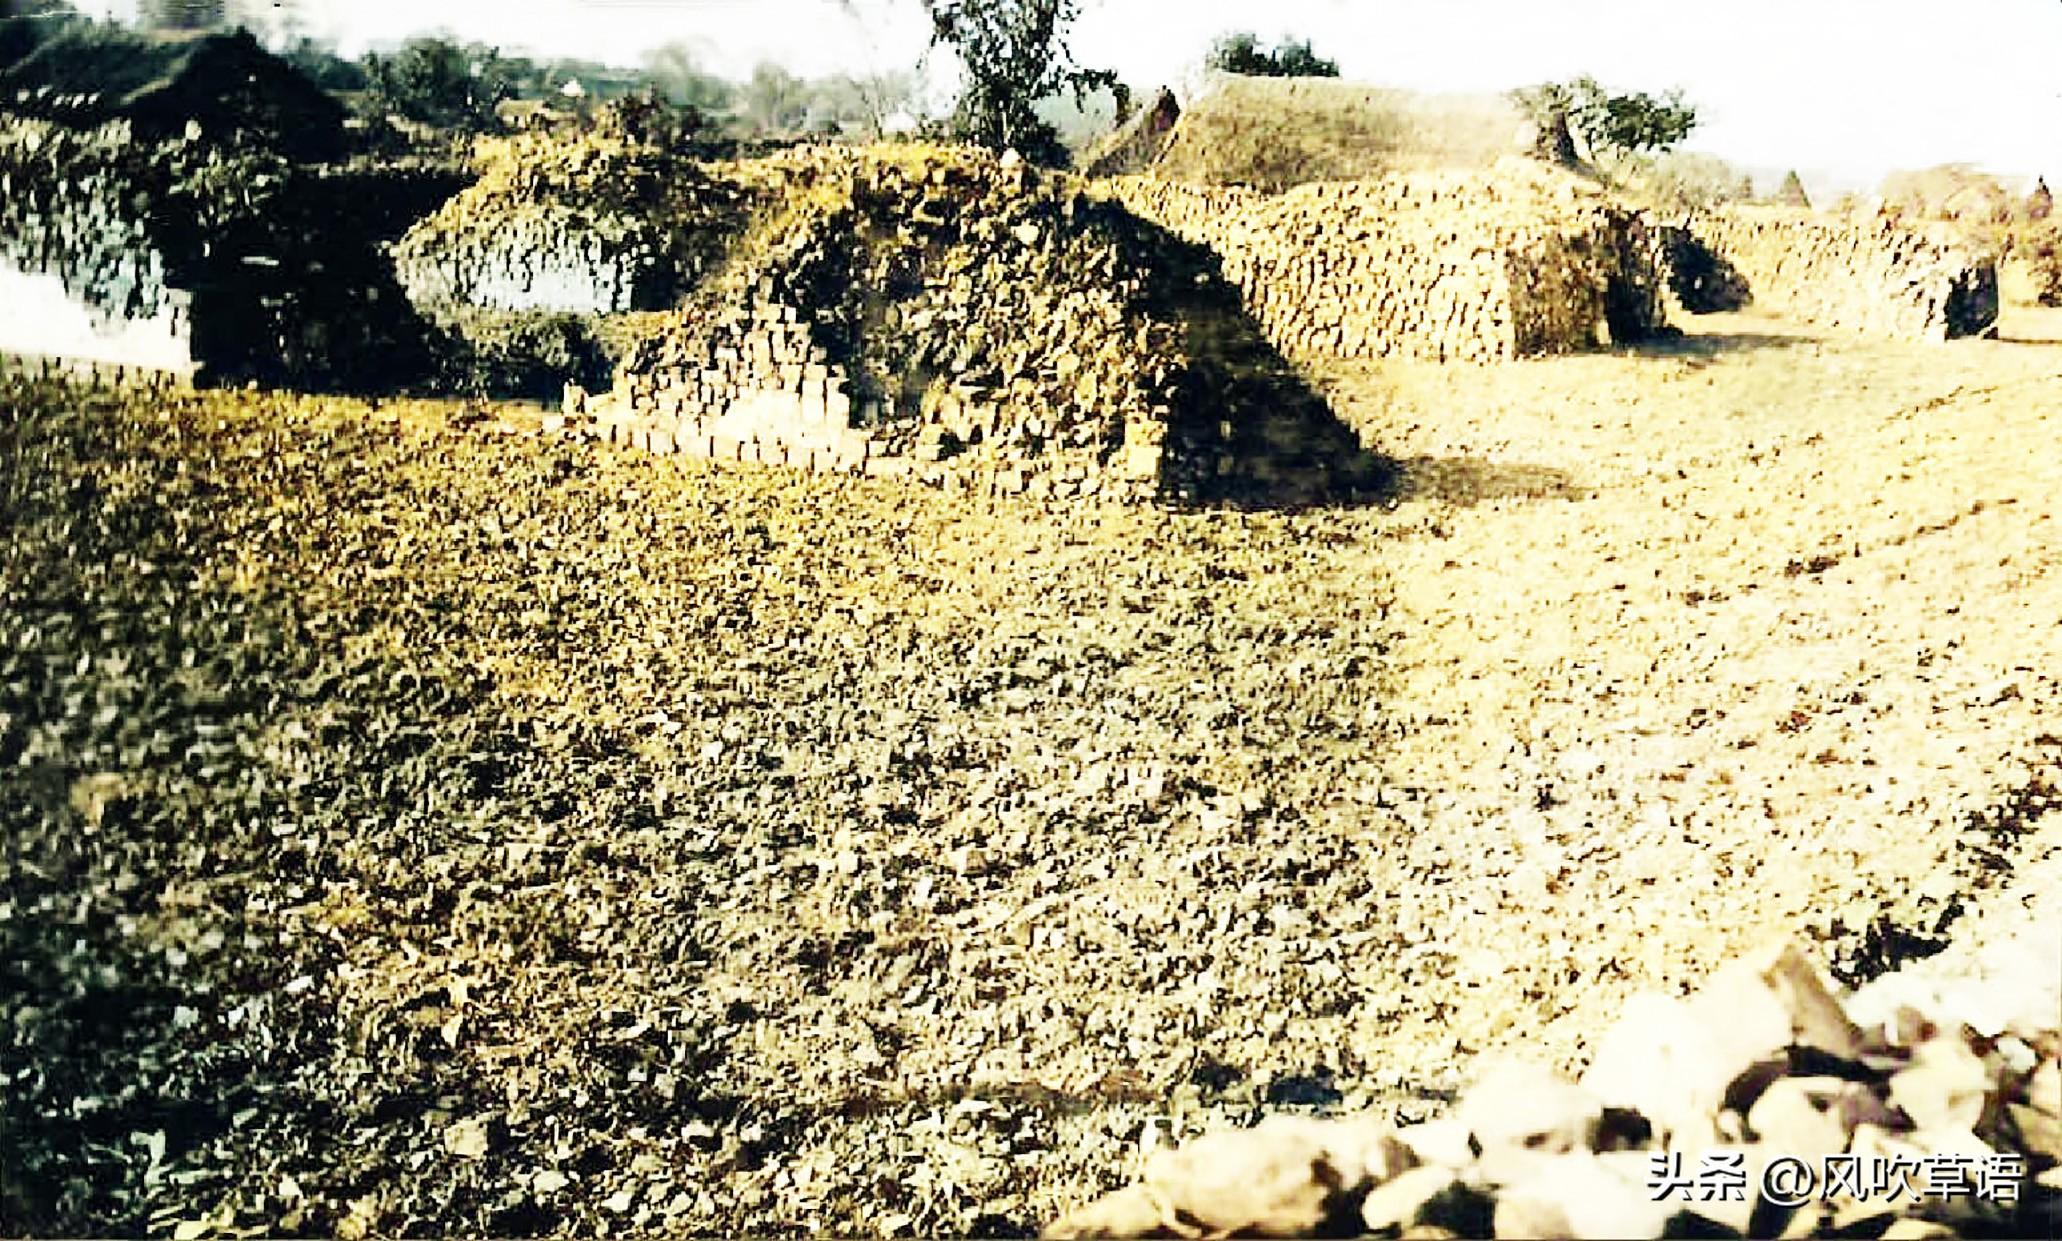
(83, 229)
(1441, 266)
(1875, 277)
(968, 322)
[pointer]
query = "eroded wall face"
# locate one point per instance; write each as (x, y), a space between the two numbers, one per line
(79, 275)
(1872, 277)
(1437, 267)
(41, 316)
(258, 269)
(969, 323)
(547, 263)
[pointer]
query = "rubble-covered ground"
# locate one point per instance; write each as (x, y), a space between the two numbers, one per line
(418, 824)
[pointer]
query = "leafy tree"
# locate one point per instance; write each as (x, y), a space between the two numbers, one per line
(1608, 124)
(322, 66)
(1240, 52)
(1013, 53)
(436, 81)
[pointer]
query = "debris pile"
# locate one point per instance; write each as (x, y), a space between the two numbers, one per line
(1441, 266)
(1875, 277)
(963, 320)
(1757, 1107)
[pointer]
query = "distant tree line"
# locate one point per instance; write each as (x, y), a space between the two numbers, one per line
(438, 81)
(1242, 52)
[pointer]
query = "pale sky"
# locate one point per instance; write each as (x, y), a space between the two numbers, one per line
(1843, 90)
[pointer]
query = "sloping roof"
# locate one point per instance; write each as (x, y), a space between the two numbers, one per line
(1135, 145)
(86, 74)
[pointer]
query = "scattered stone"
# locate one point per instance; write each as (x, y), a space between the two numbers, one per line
(1527, 1154)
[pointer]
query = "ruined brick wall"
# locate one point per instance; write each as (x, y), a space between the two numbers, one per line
(1875, 277)
(251, 267)
(967, 322)
(1441, 266)
(857, 330)
(82, 230)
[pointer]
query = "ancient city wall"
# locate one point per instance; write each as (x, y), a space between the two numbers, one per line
(818, 348)
(78, 270)
(1875, 277)
(1446, 267)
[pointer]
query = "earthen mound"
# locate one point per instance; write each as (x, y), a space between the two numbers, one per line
(588, 225)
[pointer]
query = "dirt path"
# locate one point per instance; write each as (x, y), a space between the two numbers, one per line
(1787, 633)
(427, 828)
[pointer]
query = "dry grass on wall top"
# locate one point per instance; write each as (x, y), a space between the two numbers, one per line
(1272, 133)
(639, 222)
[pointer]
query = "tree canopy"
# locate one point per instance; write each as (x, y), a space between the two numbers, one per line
(1610, 124)
(1013, 53)
(1241, 52)
(439, 82)
(675, 71)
